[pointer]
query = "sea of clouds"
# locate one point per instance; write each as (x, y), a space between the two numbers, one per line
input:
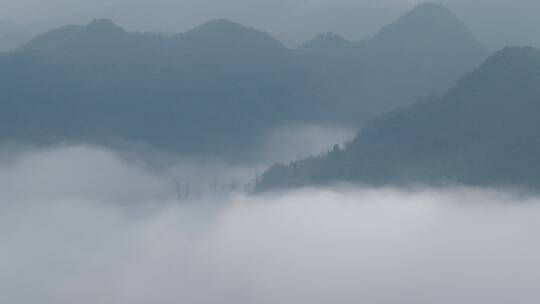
(84, 224)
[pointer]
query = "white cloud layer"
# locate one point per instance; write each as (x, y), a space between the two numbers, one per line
(69, 235)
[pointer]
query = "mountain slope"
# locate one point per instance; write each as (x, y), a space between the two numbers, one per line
(484, 131)
(424, 52)
(214, 90)
(188, 93)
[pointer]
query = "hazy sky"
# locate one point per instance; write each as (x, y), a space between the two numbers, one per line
(495, 22)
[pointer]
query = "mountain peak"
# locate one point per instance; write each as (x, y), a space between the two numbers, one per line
(427, 18)
(101, 36)
(219, 24)
(427, 14)
(507, 69)
(222, 32)
(432, 7)
(221, 27)
(516, 52)
(515, 58)
(427, 27)
(104, 25)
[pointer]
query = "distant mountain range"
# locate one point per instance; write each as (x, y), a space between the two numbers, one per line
(485, 132)
(217, 89)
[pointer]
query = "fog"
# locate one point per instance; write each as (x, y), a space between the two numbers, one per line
(83, 224)
(496, 23)
(77, 170)
(298, 141)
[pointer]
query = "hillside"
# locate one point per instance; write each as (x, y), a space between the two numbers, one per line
(424, 52)
(484, 131)
(218, 89)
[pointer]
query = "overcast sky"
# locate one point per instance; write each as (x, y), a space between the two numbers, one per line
(495, 22)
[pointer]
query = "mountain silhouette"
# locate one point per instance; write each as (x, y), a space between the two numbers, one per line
(484, 131)
(326, 41)
(220, 88)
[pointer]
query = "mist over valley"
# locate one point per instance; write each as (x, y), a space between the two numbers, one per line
(327, 151)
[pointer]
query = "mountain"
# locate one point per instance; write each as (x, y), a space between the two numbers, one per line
(210, 91)
(216, 90)
(324, 41)
(223, 33)
(484, 131)
(424, 52)
(102, 40)
(75, 39)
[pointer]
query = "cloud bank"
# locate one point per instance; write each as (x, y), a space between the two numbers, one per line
(72, 230)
